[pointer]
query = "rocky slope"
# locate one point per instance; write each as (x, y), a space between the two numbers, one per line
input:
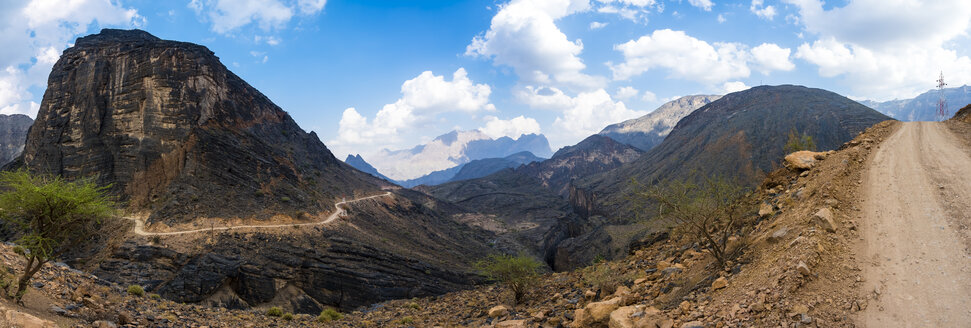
(450, 150)
(483, 167)
(188, 145)
(924, 106)
(358, 162)
(13, 134)
(649, 130)
(741, 135)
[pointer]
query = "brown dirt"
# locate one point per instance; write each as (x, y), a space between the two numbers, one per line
(917, 199)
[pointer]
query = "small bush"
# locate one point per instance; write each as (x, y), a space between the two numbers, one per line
(797, 142)
(155, 296)
(414, 305)
(136, 290)
(329, 315)
(518, 272)
(406, 320)
(275, 311)
(287, 316)
(284, 199)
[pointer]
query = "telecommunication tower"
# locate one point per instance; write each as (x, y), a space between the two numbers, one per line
(941, 102)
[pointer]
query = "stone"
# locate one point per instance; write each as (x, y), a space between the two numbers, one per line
(778, 234)
(719, 283)
(685, 306)
(671, 270)
(58, 310)
(798, 309)
(15, 318)
(638, 317)
(512, 324)
(104, 324)
(803, 269)
(622, 290)
(581, 318)
(621, 317)
(639, 281)
(599, 311)
(693, 324)
(589, 294)
(498, 311)
(765, 210)
(801, 160)
(824, 219)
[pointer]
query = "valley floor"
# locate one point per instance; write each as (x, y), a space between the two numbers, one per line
(917, 200)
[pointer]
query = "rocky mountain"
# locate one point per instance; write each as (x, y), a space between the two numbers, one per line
(742, 135)
(963, 114)
(358, 162)
(474, 169)
(649, 130)
(189, 146)
(451, 150)
(13, 134)
(924, 106)
(531, 205)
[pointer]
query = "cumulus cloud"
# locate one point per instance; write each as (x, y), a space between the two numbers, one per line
(771, 57)
(734, 86)
(587, 114)
(523, 35)
(625, 93)
(765, 12)
(36, 32)
(648, 96)
(422, 98)
(686, 57)
(597, 25)
(549, 98)
(497, 128)
(902, 44)
(703, 4)
(227, 16)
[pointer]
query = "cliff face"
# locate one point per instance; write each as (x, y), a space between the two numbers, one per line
(179, 135)
(13, 133)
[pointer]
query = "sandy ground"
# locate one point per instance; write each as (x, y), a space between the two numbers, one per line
(917, 200)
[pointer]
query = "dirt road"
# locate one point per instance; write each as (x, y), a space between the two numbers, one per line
(140, 223)
(916, 216)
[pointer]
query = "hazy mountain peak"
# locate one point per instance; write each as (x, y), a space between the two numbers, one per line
(649, 130)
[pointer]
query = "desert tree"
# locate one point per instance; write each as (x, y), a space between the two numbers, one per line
(710, 211)
(797, 142)
(519, 273)
(51, 215)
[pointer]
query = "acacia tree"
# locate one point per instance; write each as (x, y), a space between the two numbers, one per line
(709, 212)
(53, 216)
(519, 273)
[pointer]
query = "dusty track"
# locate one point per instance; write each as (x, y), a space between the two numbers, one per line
(140, 223)
(917, 198)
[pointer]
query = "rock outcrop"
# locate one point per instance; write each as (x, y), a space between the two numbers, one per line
(13, 134)
(649, 130)
(178, 135)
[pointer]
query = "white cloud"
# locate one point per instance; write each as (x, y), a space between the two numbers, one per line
(703, 4)
(523, 35)
(766, 12)
(549, 98)
(625, 93)
(770, 57)
(597, 25)
(734, 86)
(721, 18)
(588, 113)
(686, 57)
(902, 44)
(422, 98)
(496, 128)
(635, 3)
(227, 16)
(36, 31)
(649, 96)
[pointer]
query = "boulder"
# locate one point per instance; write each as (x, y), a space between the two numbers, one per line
(801, 160)
(765, 210)
(638, 317)
(14, 318)
(512, 324)
(599, 311)
(824, 219)
(581, 318)
(719, 283)
(499, 311)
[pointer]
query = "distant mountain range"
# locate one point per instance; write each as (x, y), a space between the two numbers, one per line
(450, 150)
(471, 170)
(924, 106)
(358, 162)
(649, 130)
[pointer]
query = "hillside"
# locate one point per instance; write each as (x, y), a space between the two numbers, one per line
(742, 135)
(450, 150)
(190, 147)
(13, 134)
(358, 162)
(483, 167)
(924, 106)
(649, 130)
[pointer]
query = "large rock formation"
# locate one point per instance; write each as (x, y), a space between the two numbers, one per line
(13, 134)
(182, 139)
(649, 130)
(179, 135)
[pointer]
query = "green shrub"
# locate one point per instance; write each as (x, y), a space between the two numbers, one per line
(155, 296)
(414, 305)
(406, 320)
(275, 311)
(799, 142)
(287, 316)
(136, 290)
(329, 314)
(519, 273)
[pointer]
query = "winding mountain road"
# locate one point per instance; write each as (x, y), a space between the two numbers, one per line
(916, 216)
(140, 223)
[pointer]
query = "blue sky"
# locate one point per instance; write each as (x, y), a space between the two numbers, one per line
(367, 75)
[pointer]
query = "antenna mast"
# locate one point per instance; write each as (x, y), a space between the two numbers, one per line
(941, 103)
